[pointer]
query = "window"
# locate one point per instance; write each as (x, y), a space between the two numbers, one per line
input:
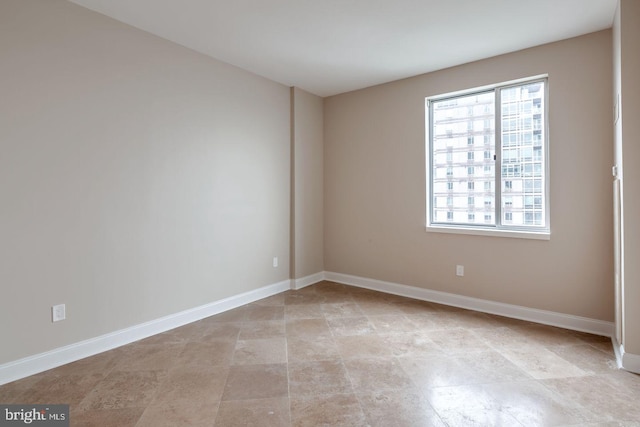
(514, 116)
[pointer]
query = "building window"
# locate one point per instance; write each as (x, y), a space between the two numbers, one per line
(449, 216)
(449, 185)
(515, 129)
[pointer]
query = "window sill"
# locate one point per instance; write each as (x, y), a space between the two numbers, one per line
(516, 234)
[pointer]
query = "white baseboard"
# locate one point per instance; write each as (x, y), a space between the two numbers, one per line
(60, 356)
(627, 361)
(307, 281)
(561, 320)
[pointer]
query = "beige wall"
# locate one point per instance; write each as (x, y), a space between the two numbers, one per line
(375, 187)
(626, 74)
(307, 195)
(137, 178)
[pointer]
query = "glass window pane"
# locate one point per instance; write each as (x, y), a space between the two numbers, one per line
(522, 155)
(458, 125)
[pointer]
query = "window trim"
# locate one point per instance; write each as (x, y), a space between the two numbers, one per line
(499, 229)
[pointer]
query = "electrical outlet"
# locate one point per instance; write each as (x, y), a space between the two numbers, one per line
(275, 261)
(459, 270)
(58, 313)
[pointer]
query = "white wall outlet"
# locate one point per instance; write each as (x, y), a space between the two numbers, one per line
(58, 313)
(275, 261)
(459, 270)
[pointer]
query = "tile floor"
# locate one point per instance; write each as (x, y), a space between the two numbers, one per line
(333, 355)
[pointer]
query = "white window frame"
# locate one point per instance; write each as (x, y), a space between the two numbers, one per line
(499, 229)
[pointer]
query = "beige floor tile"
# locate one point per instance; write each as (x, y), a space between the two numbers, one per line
(378, 307)
(411, 307)
(438, 370)
(342, 309)
(490, 367)
(302, 298)
(304, 349)
(303, 311)
(586, 357)
(256, 382)
(532, 404)
(605, 346)
(260, 351)
(63, 389)
(414, 344)
(261, 329)
(274, 300)
(359, 346)
(124, 389)
(392, 323)
(347, 326)
(173, 336)
(186, 386)
(257, 312)
(541, 363)
(307, 328)
(206, 354)
(259, 412)
(377, 374)
(469, 405)
(187, 414)
(398, 409)
(340, 410)
(100, 363)
(425, 321)
(235, 315)
(122, 417)
(217, 331)
(503, 337)
(419, 363)
(601, 394)
(152, 357)
(13, 391)
(548, 335)
(457, 340)
(321, 377)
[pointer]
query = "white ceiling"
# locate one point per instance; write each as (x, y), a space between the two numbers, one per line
(332, 46)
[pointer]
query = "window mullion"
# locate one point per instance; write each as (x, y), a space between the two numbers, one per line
(498, 158)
